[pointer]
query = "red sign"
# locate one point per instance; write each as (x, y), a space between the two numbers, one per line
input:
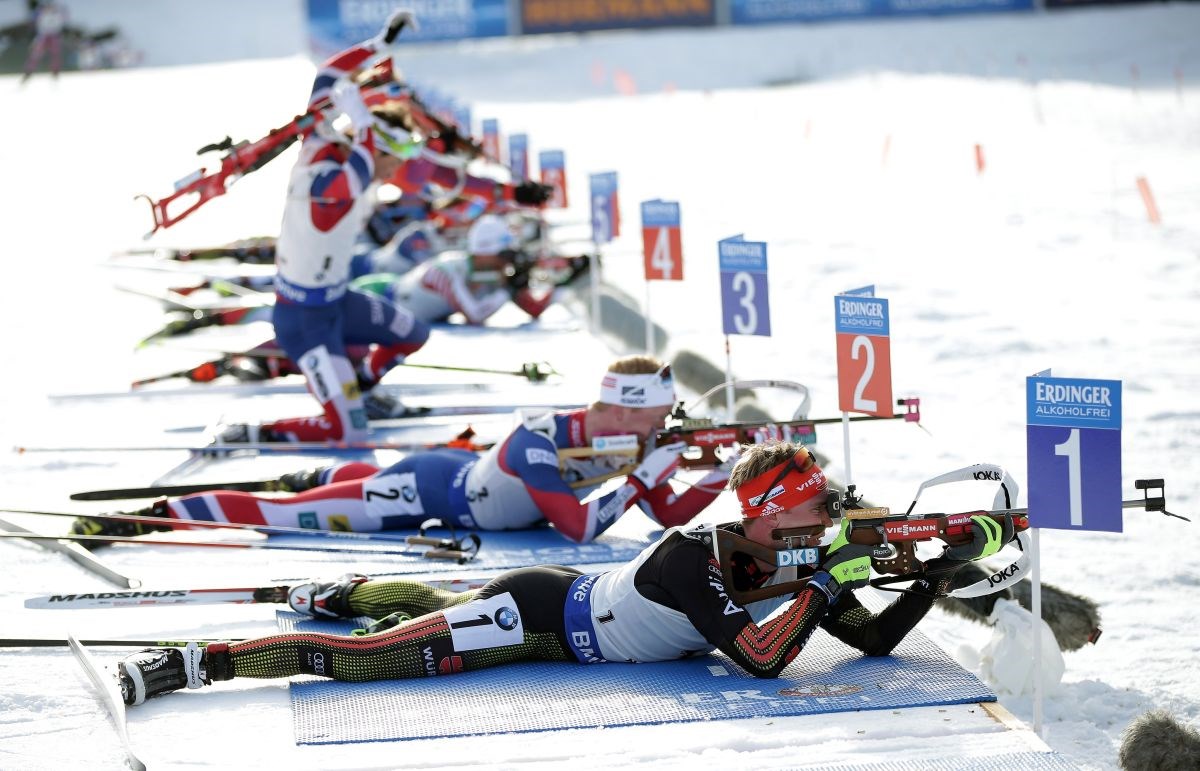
(864, 365)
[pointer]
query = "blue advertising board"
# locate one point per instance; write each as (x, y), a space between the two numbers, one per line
(745, 309)
(1073, 443)
(334, 25)
(773, 11)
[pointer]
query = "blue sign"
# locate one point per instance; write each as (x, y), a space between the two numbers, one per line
(518, 156)
(1073, 443)
(462, 116)
(604, 195)
(771, 11)
(745, 309)
(858, 315)
(335, 25)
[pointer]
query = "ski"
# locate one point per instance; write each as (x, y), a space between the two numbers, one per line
(203, 524)
(267, 388)
(413, 415)
(77, 553)
(457, 551)
(158, 491)
(238, 596)
(252, 250)
(110, 695)
(324, 448)
(58, 642)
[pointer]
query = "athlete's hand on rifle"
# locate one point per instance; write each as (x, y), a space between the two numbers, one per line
(395, 24)
(348, 100)
(579, 266)
(657, 467)
(988, 536)
(518, 280)
(847, 566)
(532, 193)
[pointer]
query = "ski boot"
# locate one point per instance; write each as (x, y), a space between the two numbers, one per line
(156, 671)
(117, 527)
(383, 406)
(242, 433)
(325, 599)
(299, 481)
(383, 624)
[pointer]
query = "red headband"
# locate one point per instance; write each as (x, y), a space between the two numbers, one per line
(800, 481)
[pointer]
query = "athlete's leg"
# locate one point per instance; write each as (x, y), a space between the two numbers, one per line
(312, 338)
(517, 617)
(394, 330)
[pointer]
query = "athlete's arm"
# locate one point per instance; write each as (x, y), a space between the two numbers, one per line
(452, 287)
(667, 508)
(693, 578)
(877, 634)
(534, 459)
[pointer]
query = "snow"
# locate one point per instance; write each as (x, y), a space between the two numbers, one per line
(1046, 259)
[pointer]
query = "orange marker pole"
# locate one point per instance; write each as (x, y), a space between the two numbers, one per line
(979, 164)
(1148, 199)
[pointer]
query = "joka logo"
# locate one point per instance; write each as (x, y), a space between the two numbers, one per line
(992, 476)
(1002, 574)
(507, 619)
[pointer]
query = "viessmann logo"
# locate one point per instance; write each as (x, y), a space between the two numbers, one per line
(906, 529)
(715, 437)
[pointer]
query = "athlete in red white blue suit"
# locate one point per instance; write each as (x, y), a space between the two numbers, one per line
(316, 313)
(519, 483)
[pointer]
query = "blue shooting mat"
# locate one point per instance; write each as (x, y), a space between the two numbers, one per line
(828, 676)
(500, 550)
(998, 762)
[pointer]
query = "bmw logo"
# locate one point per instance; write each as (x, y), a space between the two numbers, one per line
(507, 619)
(410, 494)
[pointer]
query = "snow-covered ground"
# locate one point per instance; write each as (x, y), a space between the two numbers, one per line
(857, 166)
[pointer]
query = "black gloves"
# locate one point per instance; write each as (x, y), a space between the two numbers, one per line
(532, 193)
(579, 266)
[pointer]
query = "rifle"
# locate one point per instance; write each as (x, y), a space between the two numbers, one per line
(704, 437)
(244, 157)
(896, 536)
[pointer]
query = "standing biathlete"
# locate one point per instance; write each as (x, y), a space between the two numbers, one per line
(316, 314)
(49, 23)
(670, 602)
(519, 483)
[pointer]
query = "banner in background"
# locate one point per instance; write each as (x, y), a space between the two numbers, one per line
(769, 11)
(334, 25)
(581, 15)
